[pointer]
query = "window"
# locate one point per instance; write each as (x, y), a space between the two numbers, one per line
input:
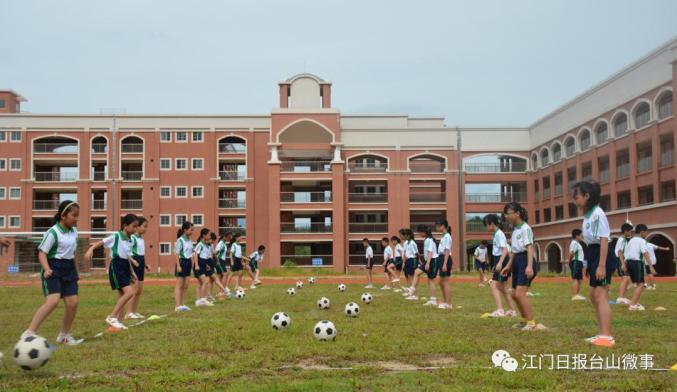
(645, 195)
(601, 133)
(15, 136)
(623, 200)
(558, 184)
(545, 157)
(15, 164)
(181, 137)
(642, 115)
(165, 164)
(165, 220)
(165, 248)
(14, 193)
(165, 137)
(197, 137)
(586, 171)
(14, 221)
(667, 150)
(604, 172)
(179, 219)
(538, 216)
(534, 162)
(198, 192)
(181, 192)
(559, 212)
(546, 215)
(621, 124)
(605, 202)
(665, 105)
(573, 210)
(181, 164)
(570, 146)
(668, 190)
(584, 140)
(3, 164)
(165, 191)
(622, 163)
(197, 219)
(197, 163)
(546, 187)
(2, 103)
(3, 193)
(556, 152)
(3, 136)
(2, 222)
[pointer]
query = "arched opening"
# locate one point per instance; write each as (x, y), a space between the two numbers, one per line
(570, 146)
(664, 105)
(427, 164)
(665, 264)
(306, 131)
(556, 152)
(368, 163)
(620, 124)
(232, 145)
(99, 145)
(601, 133)
(534, 162)
(132, 144)
(554, 258)
(55, 145)
(584, 139)
(642, 115)
(545, 157)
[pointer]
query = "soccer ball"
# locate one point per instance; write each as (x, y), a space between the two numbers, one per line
(342, 287)
(323, 303)
(352, 309)
(291, 291)
(32, 352)
(240, 294)
(325, 330)
(311, 280)
(366, 298)
(280, 320)
(299, 285)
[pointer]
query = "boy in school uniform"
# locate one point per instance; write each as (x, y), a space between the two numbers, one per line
(253, 265)
(626, 235)
(650, 263)
(576, 264)
(634, 255)
(369, 260)
(481, 261)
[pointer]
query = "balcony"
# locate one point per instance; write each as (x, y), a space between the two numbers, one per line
(546, 193)
(232, 175)
(296, 227)
(623, 170)
(514, 167)
(99, 204)
(44, 176)
(99, 148)
(495, 197)
(130, 204)
(355, 227)
(232, 203)
(475, 226)
(235, 230)
(426, 197)
(66, 147)
(558, 189)
(131, 175)
(305, 197)
(368, 167)
(604, 175)
(667, 157)
(232, 148)
(132, 148)
(644, 164)
(305, 166)
(98, 176)
(362, 197)
(324, 260)
(45, 205)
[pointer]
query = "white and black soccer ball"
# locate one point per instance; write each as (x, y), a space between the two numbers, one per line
(32, 352)
(280, 320)
(311, 280)
(323, 303)
(342, 287)
(299, 285)
(291, 291)
(352, 309)
(240, 294)
(325, 330)
(366, 298)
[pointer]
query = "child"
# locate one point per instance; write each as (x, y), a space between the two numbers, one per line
(444, 263)
(184, 264)
(214, 267)
(222, 255)
(596, 234)
(398, 254)
(481, 261)
(120, 273)
(388, 262)
(619, 249)
(236, 263)
(139, 255)
(201, 266)
(411, 256)
(650, 263)
(522, 265)
(635, 255)
(253, 265)
(576, 264)
(59, 274)
(428, 266)
(500, 252)
(369, 261)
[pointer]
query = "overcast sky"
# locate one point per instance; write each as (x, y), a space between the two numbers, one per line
(478, 63)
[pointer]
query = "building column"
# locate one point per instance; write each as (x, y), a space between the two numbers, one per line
(273, 248)
(452, 196)
(338, 219)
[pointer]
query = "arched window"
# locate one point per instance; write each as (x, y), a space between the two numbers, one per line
(534, 162)
(545, 157)
(556, 152)
(232, 145)
(132, 144)
(368, 163)
(584, 140)
(665, 105)
(426, 164)
(620, 124)
(99, 145)
(570, 146)
(642, 115)
(601, 133)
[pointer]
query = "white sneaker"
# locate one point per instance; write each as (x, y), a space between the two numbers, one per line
(534, 327)
(412, 298)
(397, 290)
(113, 322)
(27, 334)
(637, 307)
(444, 306)
(396, 280)
(182, 308)
(139, 315)
(431, 302)
(622, 301)
(386, 287)
(257, 282)
(369, 286)
(511, 313)
(480, 285)
(578, 297)
(530, 294)
(497, 313)
(590, 339)
(68, 340)
(132, 316)
(253, 286)
(209, 303)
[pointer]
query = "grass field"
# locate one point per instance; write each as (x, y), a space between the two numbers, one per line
(232, 345)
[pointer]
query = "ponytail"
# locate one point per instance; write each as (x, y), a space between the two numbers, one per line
(185, 226)
(64, 208)
(592, 189)
(516, 207)
(203, 233)
(443, 222)
(426, 230)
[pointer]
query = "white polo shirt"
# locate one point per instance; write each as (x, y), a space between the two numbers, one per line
(399, 250)
(635, 249)
(410, 249)
(429, 247)
(184, 247)
(203, 250)
(388, 253)
(576, 249)
(59, 243)
(620, 245)
(445, 243)
(595, 226)
(119, 244)
(236, 250)
(651, 249)
(138, 246)
(369, 252)
(481, 254)
(221, 250)
(499, 243)
(522, 236)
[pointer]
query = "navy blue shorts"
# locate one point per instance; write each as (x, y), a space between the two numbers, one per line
(237, 264)
(635, 270)
(221, 267)
(397, 261)
(432, 268)
(440, 264)
(141, 269)
(410, 266)
(369, 263)
(204, 267)
(253, 265)
(64, 279)
(480, 266)
(592, 255)
(519, 270)
(617, 266)
(186, 267)
(119, 273)
(576, 269)
(648, 270)
(497, 275)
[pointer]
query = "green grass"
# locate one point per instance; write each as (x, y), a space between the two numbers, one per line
(232, 346)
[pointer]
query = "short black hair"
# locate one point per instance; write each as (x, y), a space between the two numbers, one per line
(485, 243)
(626, 227)
(261, 248)
(575, 233)
(365, 239)
(491, 219)
(641, 227)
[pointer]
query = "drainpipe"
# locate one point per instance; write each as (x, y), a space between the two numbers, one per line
(461, 195)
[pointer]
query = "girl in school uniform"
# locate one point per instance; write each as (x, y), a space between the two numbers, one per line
(444, 263)
(201, 267)
(214, 268)
(576, 264)
(388, 262)
(596, 233)
(236, 257)
(619, 249)
(223, 262)
(253, 265)
(369, 260)
(411, 256)
(522, 264)
(428, 266)
(500, 253)
(120, 272)
(184, 264)
(59, 273)
(398, 259)
(139, 255)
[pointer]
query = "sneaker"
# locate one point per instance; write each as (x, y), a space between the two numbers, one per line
(603, 341)
(590, 339)
(113, 322)
(480, 285)
(397, 290)
(532, 326)
(497, 313)
(412, 298)
(405, 293)
(578, 297)
(369, 286)
(431, 302)
(208, 303)
(386, 287)
(520, 325)
(182, 308)
(444, 306)
(396, 280)
(637, 307)
(530, 294)
(622, 301)
(139, 315)
(257, 282)
(511, 313)
(68, 340)
(131, 316)
(27, 334)
(253, 286)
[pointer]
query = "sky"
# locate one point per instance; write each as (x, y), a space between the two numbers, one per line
(477, 63)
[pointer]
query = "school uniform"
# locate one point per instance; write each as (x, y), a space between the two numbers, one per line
(499, 243)
(120, 269)
(411, 255)
(205, 262)
(398, 253)
(221, 254)
(184, 251)
(651, 249)
(481, 258)
(254, 259)
(387, 257)
(444, 245)
(139, 255)
(576, 263)
(369, 257)
(619, 248)
(634, 258)
(522, 237)
(236, 252)
(596, 227)
(429, 247)
(59, 244)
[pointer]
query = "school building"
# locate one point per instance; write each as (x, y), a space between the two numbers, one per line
(309, 181)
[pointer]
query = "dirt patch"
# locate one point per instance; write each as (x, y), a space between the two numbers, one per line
(432, 363)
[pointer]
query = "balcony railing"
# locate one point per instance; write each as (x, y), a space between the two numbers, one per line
(623, 170)
(99, 204)
(367, 227)
(292, 227)
(426, 197)
(46, 204)
(475, 227)
(424, 167)
(235, 230)
(99, 176)
(604, 175)
(55, 176)
(128, 175)
(305, 166)
(558, 189)
(308, 260)
(305, 197)
(667, 157)
(55, 148)
(373, 167)
(99, 148)
(587, 177)
(232, 148)
(131, 204)
(643, 164)
(362, 197)
(231, 175)
(495, 197)
(132, 148)
(546, 193)
(232, 203)
(515, 167)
